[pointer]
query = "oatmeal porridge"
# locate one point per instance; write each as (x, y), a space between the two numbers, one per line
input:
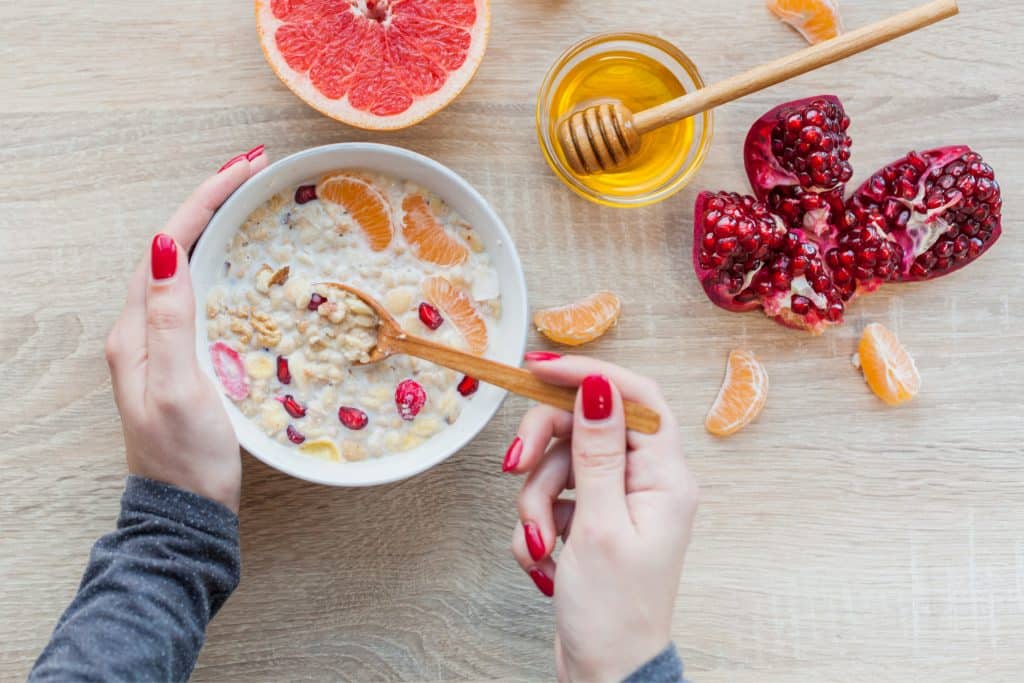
(289, 350)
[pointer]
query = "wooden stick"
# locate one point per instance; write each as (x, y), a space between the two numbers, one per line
(639, 418)
(787, 67)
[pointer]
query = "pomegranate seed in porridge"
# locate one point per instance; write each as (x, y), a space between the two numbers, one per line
(305, 193)
(284, 375)
(468, 386)
(430, 316)
(294, 435)
(410, 398)
(315, 300)
(281, 333)
(353, 418)
(294, 408)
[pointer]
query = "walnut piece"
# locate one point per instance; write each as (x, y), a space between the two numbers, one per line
(268, 333)
(280, 277)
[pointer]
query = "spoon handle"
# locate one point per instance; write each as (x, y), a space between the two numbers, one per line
(784, 68)
(639, 417)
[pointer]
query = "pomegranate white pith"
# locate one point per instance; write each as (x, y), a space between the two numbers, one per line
(801, 252)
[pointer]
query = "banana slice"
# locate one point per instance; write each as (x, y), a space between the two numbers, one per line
(259, 365)
(325, 449)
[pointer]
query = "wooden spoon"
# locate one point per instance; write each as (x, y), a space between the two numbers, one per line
(603, 137)
(392, 339)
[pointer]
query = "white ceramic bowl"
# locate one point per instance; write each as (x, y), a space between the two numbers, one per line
(507, 345)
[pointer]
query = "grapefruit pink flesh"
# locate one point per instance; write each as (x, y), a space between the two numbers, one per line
(376, 64)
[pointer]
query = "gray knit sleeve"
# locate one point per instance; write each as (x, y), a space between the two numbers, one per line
(666, 667)
(148, 592)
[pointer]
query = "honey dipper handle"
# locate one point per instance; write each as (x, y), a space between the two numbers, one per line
(784, 68)
(639, 418)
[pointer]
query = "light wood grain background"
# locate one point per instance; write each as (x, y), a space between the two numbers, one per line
(838, 540)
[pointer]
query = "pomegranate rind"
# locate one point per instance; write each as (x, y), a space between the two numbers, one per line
(230, 370)
(927, 227)
(727, 416)
(341, 108)
(888, 368)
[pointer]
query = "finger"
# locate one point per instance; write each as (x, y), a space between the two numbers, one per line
(541, 573)
(539, 425)
(569, 371)
(170, 316)
(185, 226)
(191, 218)
(564, 510)
(537, 498)
(599, 456)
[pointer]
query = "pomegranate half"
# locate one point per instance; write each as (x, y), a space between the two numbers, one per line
(801, 251)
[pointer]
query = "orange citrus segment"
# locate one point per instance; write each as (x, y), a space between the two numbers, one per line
(887, 367)
(580, 322)
(365, 204)
(427, 238)
(816, 20)
(457, 306)
(741, 397)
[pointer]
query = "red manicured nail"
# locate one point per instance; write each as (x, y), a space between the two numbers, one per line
(541, 355)
(231, 162)
(515, 450)
(534, 542)
(163, 258)
(543, 582)
(597, 397)
(254, 152)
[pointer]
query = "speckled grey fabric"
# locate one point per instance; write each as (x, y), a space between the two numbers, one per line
(149, 591)
(665, 668)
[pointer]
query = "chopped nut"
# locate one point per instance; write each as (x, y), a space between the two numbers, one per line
(280, 277)
(265, 326)
(243, 329)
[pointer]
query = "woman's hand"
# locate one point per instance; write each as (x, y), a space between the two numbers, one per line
(618, 572)
(175, 428)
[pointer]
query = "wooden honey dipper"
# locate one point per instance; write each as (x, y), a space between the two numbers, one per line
(602, 137)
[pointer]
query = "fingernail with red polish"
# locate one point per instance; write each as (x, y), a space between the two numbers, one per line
(541, 355)
(163, 258)
(254, 152)
(543, 582)
(534, 542)
(231, 162)
(515, 450)
(597, 398)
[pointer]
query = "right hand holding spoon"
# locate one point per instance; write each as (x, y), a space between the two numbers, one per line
(617, 575)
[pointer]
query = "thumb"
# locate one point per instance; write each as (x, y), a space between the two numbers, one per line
(170, 314)
(599, 454)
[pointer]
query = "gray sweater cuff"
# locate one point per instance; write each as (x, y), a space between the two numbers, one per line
(666, 667)
(149, 497)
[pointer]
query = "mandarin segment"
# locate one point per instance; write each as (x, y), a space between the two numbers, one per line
(816, 20)
(457, 306)
(888, 369)
(426, 236)
(742, 396)
(580, 322)
(364, 202)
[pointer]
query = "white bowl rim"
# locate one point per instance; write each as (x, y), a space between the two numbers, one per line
(521, 316)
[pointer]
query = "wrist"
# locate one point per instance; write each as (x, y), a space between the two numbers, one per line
(615, 662)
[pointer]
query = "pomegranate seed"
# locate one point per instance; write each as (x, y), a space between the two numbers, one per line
(468, 386)
(305, 193)
(294, 408)
(409, 398)
(284, 375)
(353, 418)
(430, 316)
(294, 435)
(800, 304)
(315, 301)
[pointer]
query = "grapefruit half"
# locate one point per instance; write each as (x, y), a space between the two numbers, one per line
(374, 64)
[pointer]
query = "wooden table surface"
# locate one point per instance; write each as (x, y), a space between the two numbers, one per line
(838, 539)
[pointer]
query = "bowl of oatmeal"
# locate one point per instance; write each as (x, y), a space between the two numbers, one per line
(289, 352)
